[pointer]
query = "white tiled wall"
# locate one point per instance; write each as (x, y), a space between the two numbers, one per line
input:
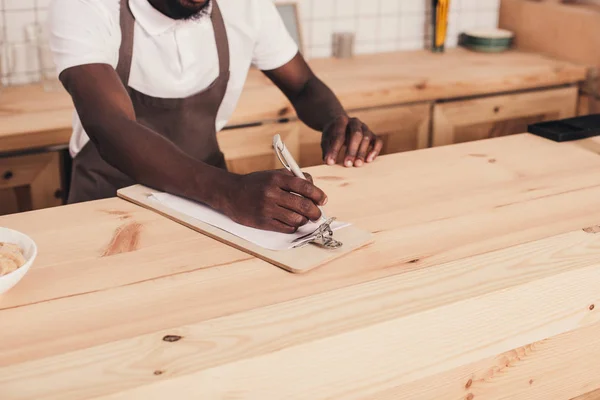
(386, 25)
(19, 57)
(379, 25)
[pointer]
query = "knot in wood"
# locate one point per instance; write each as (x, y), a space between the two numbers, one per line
(592, 229)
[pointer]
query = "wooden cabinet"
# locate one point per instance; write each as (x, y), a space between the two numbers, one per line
(30, 182)
(251, 149)
(468, 120)
(402, 128)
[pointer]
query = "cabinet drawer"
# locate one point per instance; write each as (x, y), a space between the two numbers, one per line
(251, 149)
(468, 120)
(402, 128)
(30, 182)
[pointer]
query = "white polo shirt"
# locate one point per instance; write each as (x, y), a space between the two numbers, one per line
(171, 59)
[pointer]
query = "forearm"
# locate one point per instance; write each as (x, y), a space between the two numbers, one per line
(316, 105)
(152, 160)
(109, 119)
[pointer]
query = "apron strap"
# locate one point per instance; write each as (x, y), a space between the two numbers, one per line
(126, 49)
(220, 38)
(127, 21)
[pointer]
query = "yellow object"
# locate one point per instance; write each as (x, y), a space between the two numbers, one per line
(441, 22)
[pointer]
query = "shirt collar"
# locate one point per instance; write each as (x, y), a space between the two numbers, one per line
(153, 21)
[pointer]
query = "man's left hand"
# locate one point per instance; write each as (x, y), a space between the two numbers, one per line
(361, 144)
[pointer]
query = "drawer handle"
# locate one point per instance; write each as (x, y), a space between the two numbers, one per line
(8, 175)
(497, 109)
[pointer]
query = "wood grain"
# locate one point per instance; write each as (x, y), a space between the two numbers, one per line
(31, 117)
(595, 395)
(468, 120)
(387, 79)
(555, 368)
(462, 245)
(389, 353)
(298, 261)
(513, 274)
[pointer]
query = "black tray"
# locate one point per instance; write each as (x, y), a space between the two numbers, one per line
(568, 129)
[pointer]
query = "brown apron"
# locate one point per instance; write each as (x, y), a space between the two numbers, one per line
(188, 122)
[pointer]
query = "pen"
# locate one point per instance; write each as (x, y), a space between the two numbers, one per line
(287, 160)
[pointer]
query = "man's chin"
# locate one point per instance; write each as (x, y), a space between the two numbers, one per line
(186, 9)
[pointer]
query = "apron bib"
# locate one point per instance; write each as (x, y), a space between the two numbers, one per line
(190, 123)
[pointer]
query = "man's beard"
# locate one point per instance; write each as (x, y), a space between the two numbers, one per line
(186, 9)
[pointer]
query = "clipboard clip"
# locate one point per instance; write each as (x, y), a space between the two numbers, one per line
(322, 237)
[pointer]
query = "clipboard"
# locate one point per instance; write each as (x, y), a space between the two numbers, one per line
(297, 261)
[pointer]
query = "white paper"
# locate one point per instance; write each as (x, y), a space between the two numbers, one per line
(266, 239)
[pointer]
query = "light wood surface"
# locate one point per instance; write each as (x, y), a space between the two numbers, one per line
(591, 144)
(402, 128)
(399, 78)
(468, 120)
(30, 117)
(298, 261)
(555, 368)
(595, 395)
(482, 250)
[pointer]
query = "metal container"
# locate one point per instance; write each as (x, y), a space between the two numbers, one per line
(343, 44)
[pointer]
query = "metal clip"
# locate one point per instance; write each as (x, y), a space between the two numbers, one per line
(322, 237)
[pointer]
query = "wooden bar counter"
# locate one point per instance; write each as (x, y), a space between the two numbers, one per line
(31, 118)
(483, 283)
(412, 100)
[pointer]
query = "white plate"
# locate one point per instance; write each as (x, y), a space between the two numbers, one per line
(29, 252)
(490, 34)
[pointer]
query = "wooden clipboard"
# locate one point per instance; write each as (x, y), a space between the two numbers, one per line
(297, 261)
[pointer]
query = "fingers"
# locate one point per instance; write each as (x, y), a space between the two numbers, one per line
(369, 147)
(303, 188)
(376, 150)
(290, 218)
(281, 227)
(301, 207)
(309, 177)
(361, 144)
(336, 136)
(368, 138)
(355, 138)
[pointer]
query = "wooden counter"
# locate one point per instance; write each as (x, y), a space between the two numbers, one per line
(29, 117)
(412, 100)
(483, 283)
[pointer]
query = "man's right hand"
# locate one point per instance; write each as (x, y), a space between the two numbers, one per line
(266, 200)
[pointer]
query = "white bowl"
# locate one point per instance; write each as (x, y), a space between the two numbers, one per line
(29, 252)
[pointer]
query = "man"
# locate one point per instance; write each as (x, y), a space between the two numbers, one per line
(154, 80)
